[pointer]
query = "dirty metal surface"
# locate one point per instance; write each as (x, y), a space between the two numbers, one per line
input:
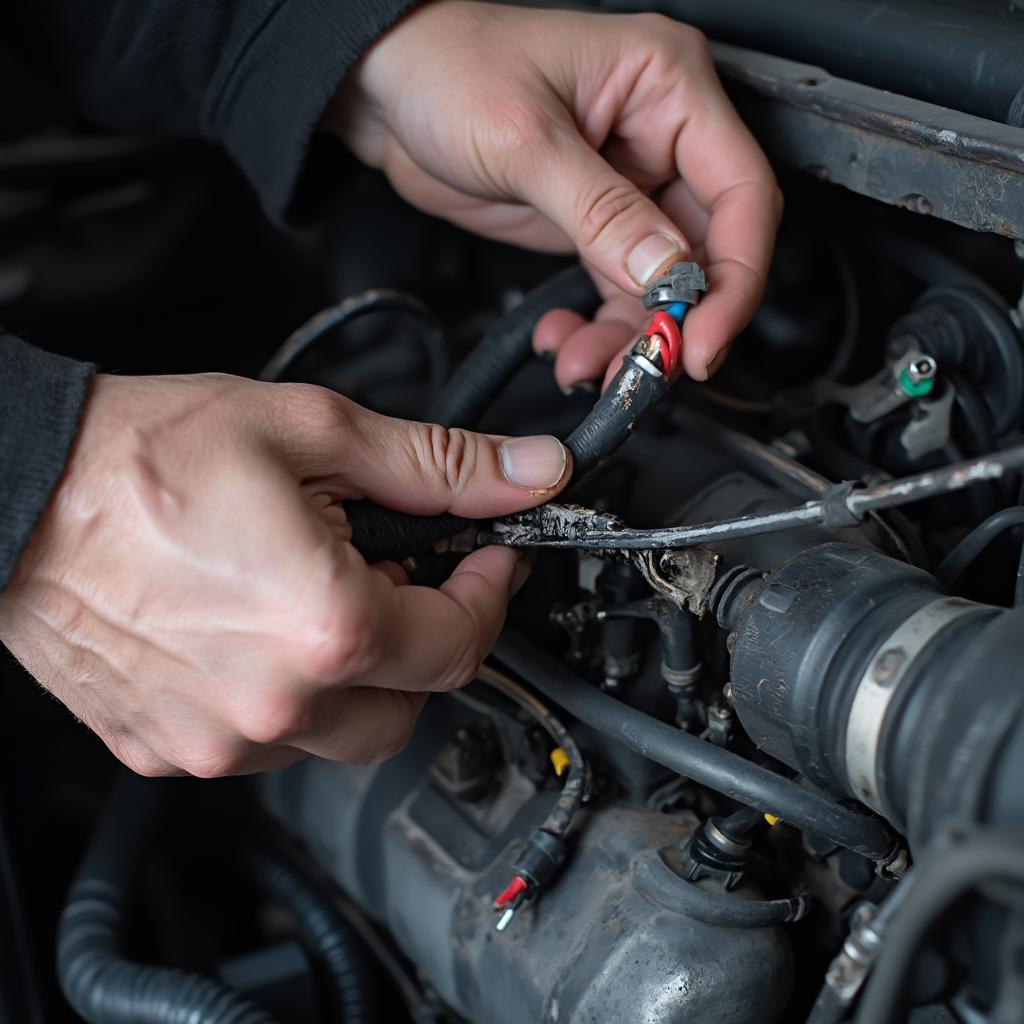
(893, 148)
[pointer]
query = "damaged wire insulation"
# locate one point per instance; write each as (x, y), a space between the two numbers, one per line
(840, 506)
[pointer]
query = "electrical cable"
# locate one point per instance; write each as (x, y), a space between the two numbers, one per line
(715, 767)
(482, 375)
(932, 887)
(322, 927)
(952, 568)
(767, 461)
(379, 300)
(99, 982)
(560, 819)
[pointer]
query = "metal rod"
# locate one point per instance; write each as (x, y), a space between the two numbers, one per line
(857, 503)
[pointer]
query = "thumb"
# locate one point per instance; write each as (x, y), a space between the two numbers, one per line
(616, 228)
(426, 469)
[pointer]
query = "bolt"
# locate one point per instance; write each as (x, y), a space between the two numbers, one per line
(889, 663)
(921, 369)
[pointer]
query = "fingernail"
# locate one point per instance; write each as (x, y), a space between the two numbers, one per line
(520, 574)
(581, 387)
(535, 463)
(713, 365)
(651, 255)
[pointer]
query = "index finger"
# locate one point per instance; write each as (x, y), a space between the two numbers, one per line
(726, 172)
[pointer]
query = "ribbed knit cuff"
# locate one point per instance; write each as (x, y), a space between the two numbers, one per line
(41, 399)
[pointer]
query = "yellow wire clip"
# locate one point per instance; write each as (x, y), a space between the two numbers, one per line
(559, 761)
(772, 819)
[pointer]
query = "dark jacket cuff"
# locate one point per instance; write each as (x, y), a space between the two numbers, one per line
(41, 400)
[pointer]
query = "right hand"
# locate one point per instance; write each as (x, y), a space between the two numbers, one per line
(191, 594)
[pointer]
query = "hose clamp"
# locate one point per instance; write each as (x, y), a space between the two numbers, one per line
(878, 686)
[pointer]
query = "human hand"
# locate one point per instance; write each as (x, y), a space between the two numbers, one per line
(191, 595)
(557, 130)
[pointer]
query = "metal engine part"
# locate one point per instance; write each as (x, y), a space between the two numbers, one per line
(604, 944)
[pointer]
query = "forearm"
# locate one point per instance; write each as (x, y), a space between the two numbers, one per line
(41, 400)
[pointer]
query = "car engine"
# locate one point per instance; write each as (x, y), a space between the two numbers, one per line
(750, 748)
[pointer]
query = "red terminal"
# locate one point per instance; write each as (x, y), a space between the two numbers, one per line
(666, 330)
(515, 889)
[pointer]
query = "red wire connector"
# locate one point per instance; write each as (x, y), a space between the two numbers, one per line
(510, 900)
(536, 864)
(513, 893)
(670, 340)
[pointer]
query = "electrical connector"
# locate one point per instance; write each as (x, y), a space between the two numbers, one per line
(536, 864)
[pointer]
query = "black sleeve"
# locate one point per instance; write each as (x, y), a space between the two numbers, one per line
(41, 399)
(253, 76)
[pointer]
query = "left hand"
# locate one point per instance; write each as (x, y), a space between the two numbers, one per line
(557, 130)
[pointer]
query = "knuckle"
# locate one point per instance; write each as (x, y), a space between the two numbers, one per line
(452, 456)
(605, 208)
(693, 38)
(668, 35)
(462, 670)
(521, 133)
(342, 649)
(213, 761)
(271, 718)
(138, 758)
(318, 409)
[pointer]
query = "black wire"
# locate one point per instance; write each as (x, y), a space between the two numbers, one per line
(952, 568)
(711, 766)
(933, 886)
(379, 300)
(561, 817)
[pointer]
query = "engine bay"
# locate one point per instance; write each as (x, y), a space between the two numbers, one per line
(759, 772)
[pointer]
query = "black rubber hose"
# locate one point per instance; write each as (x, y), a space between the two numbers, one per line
(959, 560)
(101, 985)
(933, 886)
(325, 931)
(711, 766)
(506, 347)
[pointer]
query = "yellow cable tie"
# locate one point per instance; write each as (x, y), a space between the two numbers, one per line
(559, 761)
